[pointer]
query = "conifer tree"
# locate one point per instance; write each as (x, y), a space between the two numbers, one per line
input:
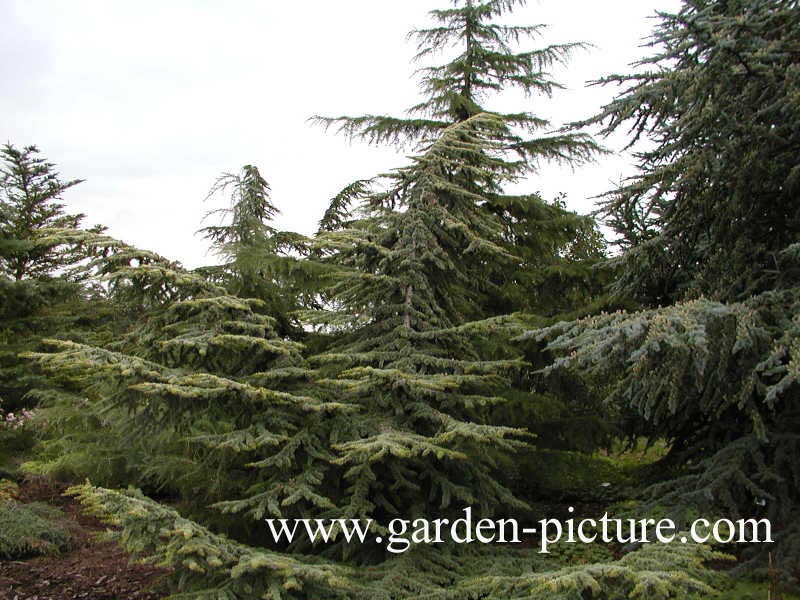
(542, 236)
(200, 398)
(549, 259)
(713, 206)
(439, 244)
(710, 228)
(30, 189)
(259, 261)
(40, 265)
(406, 355)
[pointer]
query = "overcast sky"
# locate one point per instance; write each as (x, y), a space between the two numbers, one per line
(150, 100)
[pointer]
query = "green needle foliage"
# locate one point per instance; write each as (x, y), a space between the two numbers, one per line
(43, 292)
(29, 529)
(200, 399)
(487, 64)
(406, 353)
(553, 248)
(710, 228)
(258, 260)
(208, 566)
(31, 188)
(714, 204)
(205, 399)
(720, 383)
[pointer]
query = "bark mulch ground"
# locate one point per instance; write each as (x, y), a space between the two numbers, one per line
(91, 570)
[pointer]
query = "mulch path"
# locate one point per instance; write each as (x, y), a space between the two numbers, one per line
(92, 570)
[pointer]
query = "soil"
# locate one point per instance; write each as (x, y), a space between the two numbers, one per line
(91, 570)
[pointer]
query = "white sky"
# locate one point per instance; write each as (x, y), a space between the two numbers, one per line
(150, 100)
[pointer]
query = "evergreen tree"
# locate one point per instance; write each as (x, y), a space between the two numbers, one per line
(711, 212)
(199, 399)
(260, 261)
(40, 266)
(406, 355)
(551, 246)
(544, 257)
(440, 245)
(31, 189)
(713, 205)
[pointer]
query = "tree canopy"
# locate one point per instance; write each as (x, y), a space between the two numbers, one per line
(440, 344)
(709, 228)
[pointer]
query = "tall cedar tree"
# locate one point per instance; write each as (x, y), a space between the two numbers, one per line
(549, 259)
(553, 248)
(258, 260)
(407, 355)
(40, 274)
(712, 228)
(199, 400)
(442, 245)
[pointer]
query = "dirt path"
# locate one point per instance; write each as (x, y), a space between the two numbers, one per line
(93, 570)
